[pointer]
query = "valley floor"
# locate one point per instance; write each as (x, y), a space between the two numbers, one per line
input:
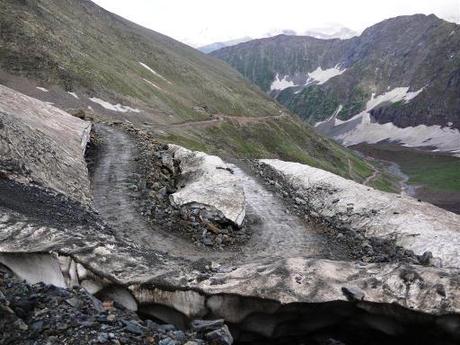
(433, 177)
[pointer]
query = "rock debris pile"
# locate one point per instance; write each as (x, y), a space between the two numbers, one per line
(46, 314)
(164, 203)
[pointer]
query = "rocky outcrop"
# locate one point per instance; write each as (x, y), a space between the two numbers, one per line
(43, 145)
(208, 181)
(418, 226)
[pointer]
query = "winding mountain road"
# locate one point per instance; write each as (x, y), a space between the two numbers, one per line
(276, 233)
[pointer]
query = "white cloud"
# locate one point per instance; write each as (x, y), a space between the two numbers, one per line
(201, 22)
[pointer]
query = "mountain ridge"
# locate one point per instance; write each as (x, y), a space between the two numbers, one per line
(331, 32)
(376, 60)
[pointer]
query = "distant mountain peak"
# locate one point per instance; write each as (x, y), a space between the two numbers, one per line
(326, 32)
(331, 31)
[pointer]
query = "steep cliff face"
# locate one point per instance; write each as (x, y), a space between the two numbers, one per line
(314, 77)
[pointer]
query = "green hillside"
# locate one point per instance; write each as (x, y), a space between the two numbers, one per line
(76, 46)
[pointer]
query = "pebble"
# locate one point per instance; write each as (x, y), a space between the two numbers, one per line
(353, 293)
(103, 338)
(133, 327)
(207, 325)
(167, 341)
(221, 336)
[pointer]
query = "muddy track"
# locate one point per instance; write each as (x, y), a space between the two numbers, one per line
(275, 232)
(117, 199)
(371, 178)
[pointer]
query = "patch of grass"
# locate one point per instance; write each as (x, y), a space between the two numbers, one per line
(386, 183)
(185, 141)
(438, 172)
(361, 169)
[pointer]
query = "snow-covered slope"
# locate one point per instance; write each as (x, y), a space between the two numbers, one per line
(415, 225)
(318, 76)
(43, 145)
(362, 128)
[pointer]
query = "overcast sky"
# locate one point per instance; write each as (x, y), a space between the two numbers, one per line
(199, 22)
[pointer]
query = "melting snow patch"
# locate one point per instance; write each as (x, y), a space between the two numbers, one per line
(320, 76)
(281, 84)
(443, 138)
(395, 95)
(42, 89)
(362, 129)
(208, 182)
(114, 107)
(415, 225)
(333, 117)
(154, 72)
(152, 84)
(412, 94)
(73, 94)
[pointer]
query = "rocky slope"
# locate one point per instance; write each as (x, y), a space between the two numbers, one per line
(47, 314)
(403, 71)
(91, 62)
